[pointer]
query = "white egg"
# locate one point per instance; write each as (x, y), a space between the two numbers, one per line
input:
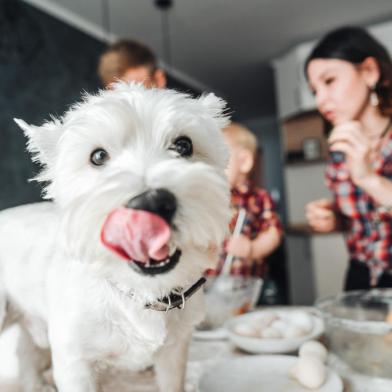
(302, 319)
(270, 333)
(313, 348)
(267, 319)
(247, 329)
(309, 372)
(294, 331)
(280, 325)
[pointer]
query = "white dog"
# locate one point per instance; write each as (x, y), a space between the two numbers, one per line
(104, 275)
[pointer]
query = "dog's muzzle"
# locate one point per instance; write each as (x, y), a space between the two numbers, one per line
(140, 232)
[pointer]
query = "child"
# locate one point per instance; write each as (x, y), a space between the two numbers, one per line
(261, 233)
(130, 61)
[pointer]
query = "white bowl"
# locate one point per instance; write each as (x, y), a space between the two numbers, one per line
(258, 345)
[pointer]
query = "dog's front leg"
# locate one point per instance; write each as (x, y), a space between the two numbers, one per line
(170, 364)
(32, 361)
(71, 372)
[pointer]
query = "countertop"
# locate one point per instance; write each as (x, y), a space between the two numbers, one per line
(203, 354)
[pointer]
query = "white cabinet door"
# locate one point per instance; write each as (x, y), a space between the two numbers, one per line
(286, 86)
(383, 32)
(293, 94)
(329, 263)
(303, 184)
(316, 266)
(306, 98)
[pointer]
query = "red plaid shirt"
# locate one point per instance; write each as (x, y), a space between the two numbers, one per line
(369, 229)
(260, 215)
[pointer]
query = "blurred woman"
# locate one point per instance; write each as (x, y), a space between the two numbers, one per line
(350, 74)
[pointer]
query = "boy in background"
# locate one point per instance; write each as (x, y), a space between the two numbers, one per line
(262, 231)
(130, 61)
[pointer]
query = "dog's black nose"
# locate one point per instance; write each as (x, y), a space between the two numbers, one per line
(158, 201)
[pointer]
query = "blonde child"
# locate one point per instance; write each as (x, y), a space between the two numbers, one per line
(261, 233)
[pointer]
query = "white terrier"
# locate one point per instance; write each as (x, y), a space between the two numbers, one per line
(104, 275)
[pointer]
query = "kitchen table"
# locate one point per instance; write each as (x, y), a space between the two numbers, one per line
(206, 353)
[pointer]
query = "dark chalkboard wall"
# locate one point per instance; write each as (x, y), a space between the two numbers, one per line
(44, 66)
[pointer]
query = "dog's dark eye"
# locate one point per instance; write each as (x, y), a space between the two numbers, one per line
(183, 146)
(99, 156)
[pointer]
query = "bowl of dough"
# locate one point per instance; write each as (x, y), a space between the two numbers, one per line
(274, 331)
(228, 296)
(359, 330)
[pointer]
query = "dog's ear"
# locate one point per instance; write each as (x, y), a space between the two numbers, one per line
(216, 108)
(42, 140)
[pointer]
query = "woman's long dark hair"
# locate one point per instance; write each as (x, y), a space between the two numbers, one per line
(355, 44)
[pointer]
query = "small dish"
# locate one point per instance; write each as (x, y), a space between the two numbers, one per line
(259, 345)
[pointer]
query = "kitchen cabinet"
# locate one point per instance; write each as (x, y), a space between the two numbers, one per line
(293, 94)
(330, 261)
(303, 178)
(316, 264)
(296, 131)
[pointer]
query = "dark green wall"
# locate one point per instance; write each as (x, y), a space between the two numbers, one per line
(44, 66)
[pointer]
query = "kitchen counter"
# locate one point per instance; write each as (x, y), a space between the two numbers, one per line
(206, 353)
(202, 355)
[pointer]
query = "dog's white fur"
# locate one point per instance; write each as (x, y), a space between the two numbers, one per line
(66, 290)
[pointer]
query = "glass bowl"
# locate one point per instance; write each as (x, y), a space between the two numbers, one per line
(228, 296)
(358, 328)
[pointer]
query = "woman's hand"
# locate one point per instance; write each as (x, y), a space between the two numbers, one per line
(240, 246)
(320, 216)
(359, 150)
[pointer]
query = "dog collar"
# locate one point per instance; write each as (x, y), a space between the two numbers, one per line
(176, 298)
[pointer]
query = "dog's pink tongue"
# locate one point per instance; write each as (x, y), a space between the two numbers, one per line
(136, 234)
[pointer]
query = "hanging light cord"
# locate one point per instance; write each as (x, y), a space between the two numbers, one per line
(106, 19)
(166, 44)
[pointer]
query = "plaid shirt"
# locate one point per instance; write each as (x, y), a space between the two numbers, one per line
(369, 229)
(260, 216)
